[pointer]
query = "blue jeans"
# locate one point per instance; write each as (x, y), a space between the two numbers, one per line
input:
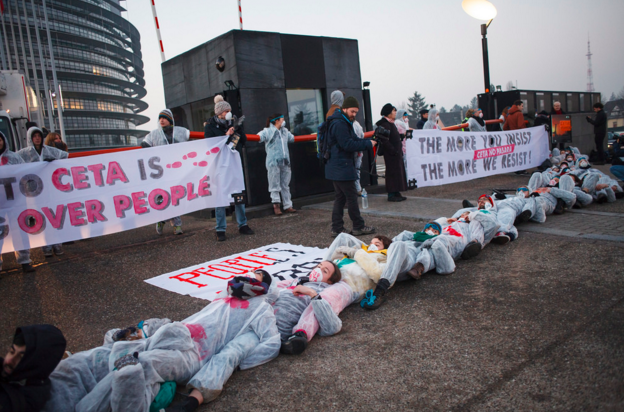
(240, 217)
(617, 171)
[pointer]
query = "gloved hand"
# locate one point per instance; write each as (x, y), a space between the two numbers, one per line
(534, 194)
(127, 360)
(500, 196)
(346, 250)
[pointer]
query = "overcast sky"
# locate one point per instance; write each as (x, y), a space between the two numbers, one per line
(432, 47)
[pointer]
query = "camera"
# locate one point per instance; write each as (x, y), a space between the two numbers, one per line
(381, 134)
(239, 198)
(409, 134)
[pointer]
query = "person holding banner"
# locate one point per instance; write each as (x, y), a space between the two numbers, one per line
(168, 134)
(396, 182)
(38, 152)
(7, 157)
(224, 123)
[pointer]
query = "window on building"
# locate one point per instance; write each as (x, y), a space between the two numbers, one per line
(305, 110)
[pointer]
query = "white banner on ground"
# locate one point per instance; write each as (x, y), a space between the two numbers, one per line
(48, 203)
(438, 157)
(209, 280)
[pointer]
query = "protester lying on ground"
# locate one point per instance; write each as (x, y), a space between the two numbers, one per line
(168, 133)
(201, 352)
(489, 225)
(38, 152)
(32, 356)
(296, 296)
(7, 157)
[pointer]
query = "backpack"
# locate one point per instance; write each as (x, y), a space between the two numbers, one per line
(323, 148)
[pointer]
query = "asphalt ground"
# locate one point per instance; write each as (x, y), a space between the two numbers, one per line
(537, 324)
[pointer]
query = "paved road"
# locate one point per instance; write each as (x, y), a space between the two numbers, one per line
(537, 324)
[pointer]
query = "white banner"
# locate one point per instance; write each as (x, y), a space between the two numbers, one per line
(209, 280)
(48, 203)
(438, 157)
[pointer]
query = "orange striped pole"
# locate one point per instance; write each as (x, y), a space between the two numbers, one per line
(160, 43)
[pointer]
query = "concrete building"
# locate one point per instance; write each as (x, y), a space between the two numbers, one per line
(261, 74)
(98, 63)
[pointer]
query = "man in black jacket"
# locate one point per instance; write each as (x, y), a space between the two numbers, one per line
(396, 180)
(223, 123)
(600, 131)
(24, 379)
(424, 115)
(340, 167)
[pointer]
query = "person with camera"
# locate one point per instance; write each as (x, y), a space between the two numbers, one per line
(225, 123)
(343, 145)
(391, 149)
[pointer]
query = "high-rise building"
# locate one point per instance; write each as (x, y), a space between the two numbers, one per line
(97, 57)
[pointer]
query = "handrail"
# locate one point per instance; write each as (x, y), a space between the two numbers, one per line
(465, 125)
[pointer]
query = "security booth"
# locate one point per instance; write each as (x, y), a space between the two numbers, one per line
(572, 129)
(262, 74)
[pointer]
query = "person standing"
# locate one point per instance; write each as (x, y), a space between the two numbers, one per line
(337, 99)
(515, 118)
(600, 131)
(7, 157)
(396, 180)
(38, 152)
(476, 122)
(167, 134)
(557, 108)
(503, 116)
(225, 123)
(343, 143)
(359, 132)
(276, 137)
(424, 115)
(433, 120)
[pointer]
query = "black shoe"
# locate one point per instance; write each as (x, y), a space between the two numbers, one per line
(523, 217)
(602, 198)
(245, 230)
(189, 404)
(559, 209)
(466, 204)
(417, 271)
(295, 344)
(366, 230)
(27, 267)
(221, 236)
(471, 250)
(577, 205)
(395, 199)
(343, 230)
(619, 195)
(402, 198)
(373, 300)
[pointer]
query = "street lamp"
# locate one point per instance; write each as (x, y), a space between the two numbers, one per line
(482, 10)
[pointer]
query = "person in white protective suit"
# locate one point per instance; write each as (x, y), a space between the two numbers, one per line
(167, 134)
(202, 351)
(433, 121)
(77, 375)
(7, 157)
(600, 186)
(276, 137)
(38, 152)
(551, 200)
(296, 296)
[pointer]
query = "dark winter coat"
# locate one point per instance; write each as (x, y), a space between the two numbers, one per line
(515, 119)
(396, 180)
(600, 123)
(344, 144)
(27, 389)
(216, 129)
(421, 123)
(542, 120)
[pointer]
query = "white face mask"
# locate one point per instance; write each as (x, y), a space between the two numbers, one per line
(430, 232)
(372, 247)
(480, 114)
(284, 123)
(316, 275)
(228, 116)
(487, 206)
(583, 164)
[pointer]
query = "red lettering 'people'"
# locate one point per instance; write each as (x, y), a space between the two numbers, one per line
(122, 203)
(177, 192)
(203, 187)
(189, 279)
(56, 180)
(154, 194)
(139, 203)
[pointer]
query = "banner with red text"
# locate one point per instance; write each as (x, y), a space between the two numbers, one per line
(209, 280)
(46, 203)
(438, 157)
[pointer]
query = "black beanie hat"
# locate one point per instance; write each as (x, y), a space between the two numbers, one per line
(387, 109)
(350, 102)
(266, 278)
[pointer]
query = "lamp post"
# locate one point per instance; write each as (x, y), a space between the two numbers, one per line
(483, 10)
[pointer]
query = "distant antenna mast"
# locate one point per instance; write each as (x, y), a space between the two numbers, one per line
(240, 14)
(590, 75)
(160, 43)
